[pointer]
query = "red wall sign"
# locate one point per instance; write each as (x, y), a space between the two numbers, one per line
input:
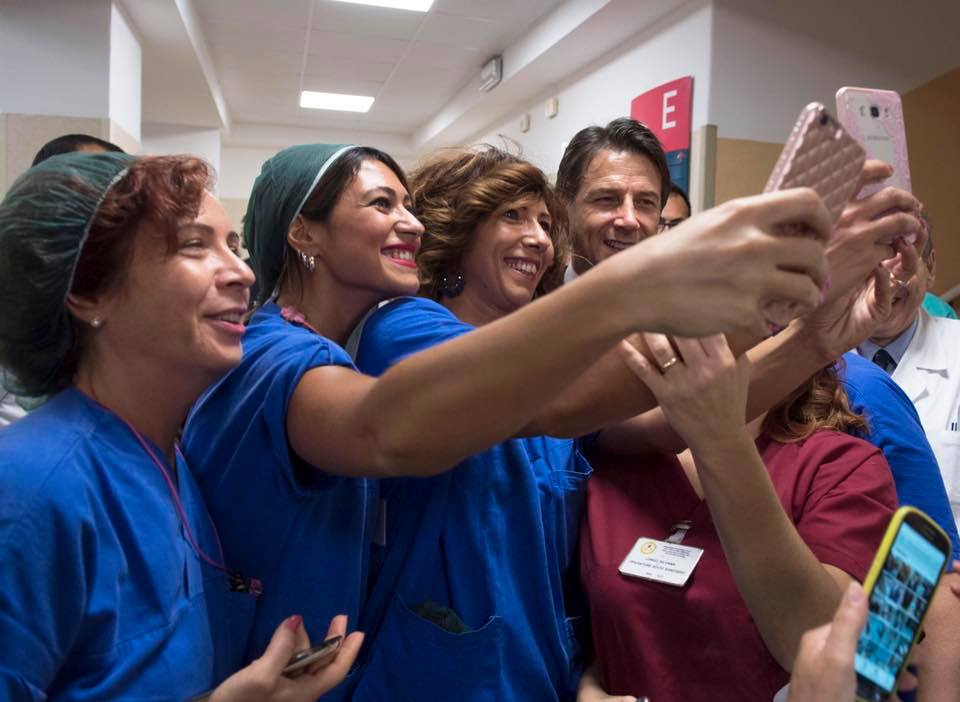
(667, 111)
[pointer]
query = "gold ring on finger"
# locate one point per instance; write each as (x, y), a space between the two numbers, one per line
(669, 364)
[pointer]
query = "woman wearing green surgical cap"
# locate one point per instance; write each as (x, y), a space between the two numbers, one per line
(287, 445)
(120, 299)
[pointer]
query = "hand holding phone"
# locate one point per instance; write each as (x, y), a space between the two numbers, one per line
(819, 154)
(900, 585)
(315, 656)
(279, 674)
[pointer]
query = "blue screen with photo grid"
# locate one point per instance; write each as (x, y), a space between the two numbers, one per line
(897, 602)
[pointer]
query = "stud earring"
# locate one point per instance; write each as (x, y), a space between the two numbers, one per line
(451, 284)
(309, 262)
(96, 322)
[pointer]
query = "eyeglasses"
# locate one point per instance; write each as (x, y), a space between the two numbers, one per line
(666, 224)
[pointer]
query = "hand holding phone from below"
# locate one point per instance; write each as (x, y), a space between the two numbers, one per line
(900, 585)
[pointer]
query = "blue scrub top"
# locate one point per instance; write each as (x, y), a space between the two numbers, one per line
(493, 540)
(303, 533)
(101, 596)
(894, 428)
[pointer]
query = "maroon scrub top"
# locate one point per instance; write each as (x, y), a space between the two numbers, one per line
(699, 642)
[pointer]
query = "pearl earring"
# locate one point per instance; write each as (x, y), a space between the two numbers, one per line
(96, 322)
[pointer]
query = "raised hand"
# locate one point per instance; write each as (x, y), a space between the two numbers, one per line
(700, 386)
(720, 270)
(846, 321)
(866, 230)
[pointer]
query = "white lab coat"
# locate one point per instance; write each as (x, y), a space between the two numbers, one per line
(929, 374)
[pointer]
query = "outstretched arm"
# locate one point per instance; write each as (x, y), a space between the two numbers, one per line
(436, 407)
(606, 395)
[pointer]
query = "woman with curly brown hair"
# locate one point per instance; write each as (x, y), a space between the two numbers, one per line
(468, 596)
(121, 297)
(772, 520)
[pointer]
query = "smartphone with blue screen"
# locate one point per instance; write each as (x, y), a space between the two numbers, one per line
(901, 582)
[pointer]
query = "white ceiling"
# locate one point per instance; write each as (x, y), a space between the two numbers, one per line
(266, 51)
(239, 65)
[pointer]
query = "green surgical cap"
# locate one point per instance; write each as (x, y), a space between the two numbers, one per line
(281, 190)
(45, 218)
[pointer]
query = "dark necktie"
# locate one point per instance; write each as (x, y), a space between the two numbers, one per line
(885, 361)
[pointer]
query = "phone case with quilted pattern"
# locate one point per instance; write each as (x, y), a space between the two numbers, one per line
(819, 154)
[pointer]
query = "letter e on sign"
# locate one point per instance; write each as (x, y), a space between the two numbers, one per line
(667, 109)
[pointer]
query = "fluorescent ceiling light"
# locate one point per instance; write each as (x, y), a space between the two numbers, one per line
(335, 101)
(415, 5)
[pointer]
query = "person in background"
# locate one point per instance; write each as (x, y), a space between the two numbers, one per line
(69, 143)
(677, 208)
(920, 353)
(934, 305)
(13, 407)
(937, 307)
(120, 298)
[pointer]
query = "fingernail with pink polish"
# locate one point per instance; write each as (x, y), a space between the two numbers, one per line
(293, 623)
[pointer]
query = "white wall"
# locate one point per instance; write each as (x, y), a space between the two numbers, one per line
(55, 61)
(162, 139)
(126, 60)
(241, 166)
(771, 59)
(675, 46)
(249, 145)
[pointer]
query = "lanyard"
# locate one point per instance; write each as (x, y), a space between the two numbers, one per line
(236, 581)
(181, 514)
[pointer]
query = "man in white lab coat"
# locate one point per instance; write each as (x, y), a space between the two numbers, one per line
(922, 354)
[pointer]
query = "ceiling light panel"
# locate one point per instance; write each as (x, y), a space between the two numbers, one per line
(413, 5)
(335, 101)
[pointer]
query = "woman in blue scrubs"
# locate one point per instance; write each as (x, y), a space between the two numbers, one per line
(285, 445)
(471, 600)
(121, 298)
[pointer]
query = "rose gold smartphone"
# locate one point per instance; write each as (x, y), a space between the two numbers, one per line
(821, 155)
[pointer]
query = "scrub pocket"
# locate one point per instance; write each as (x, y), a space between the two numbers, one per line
(413, 659)
(569, 495)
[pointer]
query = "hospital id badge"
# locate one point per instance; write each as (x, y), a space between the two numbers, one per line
(661, 561)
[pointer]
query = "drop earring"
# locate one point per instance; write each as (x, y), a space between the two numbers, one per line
(309, 262)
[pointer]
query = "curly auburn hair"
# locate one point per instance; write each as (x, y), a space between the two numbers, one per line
(820, 403)
(456, 189)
